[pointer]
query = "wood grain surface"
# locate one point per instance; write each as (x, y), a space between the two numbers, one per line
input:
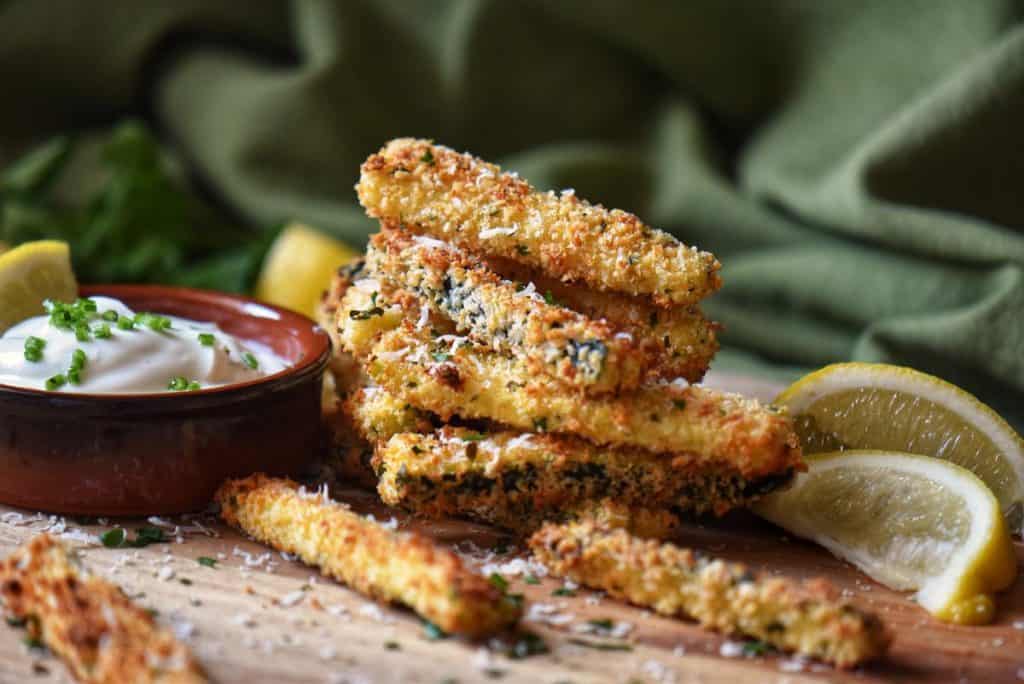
(257, 617)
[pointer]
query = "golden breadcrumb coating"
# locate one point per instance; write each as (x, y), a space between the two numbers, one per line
(363, 313)
(505, 476)
(97, 631)
(680, 339)
(640, 521)
(509, 317)
(461, 199)
(804, 618)
(377, 414)
(384, 564)
(342, 366)
(709, 426)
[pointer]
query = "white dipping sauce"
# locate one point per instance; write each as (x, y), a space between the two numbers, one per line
(136, 361)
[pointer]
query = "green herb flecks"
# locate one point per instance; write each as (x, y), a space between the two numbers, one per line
(206, 339)
(182, 384)
(753, 649)
(144, 536)
(34, 347)
(499, 582)
(206, 561)
(250, 360)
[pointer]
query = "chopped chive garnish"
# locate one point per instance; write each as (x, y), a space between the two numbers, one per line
(563, 591)
(56, 382)
(114, 538)
(531, 579)
(86, 305)
(78, 359)
(34, 348)
(82, 333)
(125, 323)
(206, 339)
(111, 316)
(498, 581)
(250, 360)
(102, 332)
(179, 383)
(154, 322)
(75, 376)
(207, 561)
(193, 386)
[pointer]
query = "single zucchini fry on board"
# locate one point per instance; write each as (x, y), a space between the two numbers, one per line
(461, 199)
(402, 567)
(680, 338)
(709, 426)
(804, 618)
(506, 478)
(509, 317)
(97, 631)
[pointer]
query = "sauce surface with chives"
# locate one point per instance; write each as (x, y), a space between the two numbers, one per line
(100, 346)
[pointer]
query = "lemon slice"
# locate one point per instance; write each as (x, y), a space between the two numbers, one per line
(298, 268)
(877, 406)
(31, 273)
(910, 522)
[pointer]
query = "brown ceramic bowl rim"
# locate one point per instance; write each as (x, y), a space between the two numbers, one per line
(313, 361)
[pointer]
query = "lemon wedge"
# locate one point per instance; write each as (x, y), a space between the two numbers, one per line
(298, 268)
(910, 522)
(31, 273)
(878, 406)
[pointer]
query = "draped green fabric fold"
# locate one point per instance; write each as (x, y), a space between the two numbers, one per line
(858, 167)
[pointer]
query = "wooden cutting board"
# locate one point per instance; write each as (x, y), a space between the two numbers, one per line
(257, 617)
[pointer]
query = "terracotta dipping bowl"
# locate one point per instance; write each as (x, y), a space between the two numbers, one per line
(118, 454)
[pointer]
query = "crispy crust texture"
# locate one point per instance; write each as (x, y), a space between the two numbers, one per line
(377, 414)
(96, 630)
(456, 197)
(507, 477)
(681, 339)
(804, 618)
(509, 317)
(402, 567)
(715, 428)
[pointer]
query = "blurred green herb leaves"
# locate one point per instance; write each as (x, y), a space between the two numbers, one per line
(135, 220)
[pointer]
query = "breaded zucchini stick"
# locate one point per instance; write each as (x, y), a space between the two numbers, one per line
(377, 414)
(804, 618)
(680, 338)
(505, 477)
(342, 366)
(458, 198)
(402, 567)
(509, 317)
(711, 427)
(97, 631)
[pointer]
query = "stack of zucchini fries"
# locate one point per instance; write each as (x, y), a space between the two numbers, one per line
(517, 358)
(527, 360)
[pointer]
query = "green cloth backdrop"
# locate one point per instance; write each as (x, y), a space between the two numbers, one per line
(858, 166)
